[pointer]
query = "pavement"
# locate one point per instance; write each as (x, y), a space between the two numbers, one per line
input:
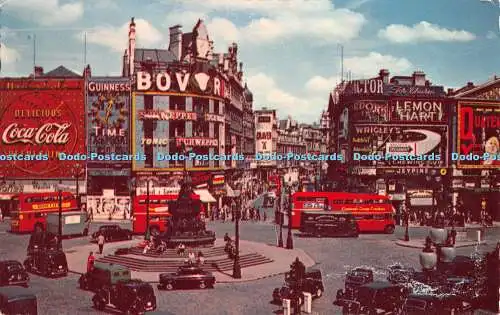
(281, 260)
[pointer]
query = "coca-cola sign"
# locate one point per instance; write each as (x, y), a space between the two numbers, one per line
(49, 133)
(37, 124)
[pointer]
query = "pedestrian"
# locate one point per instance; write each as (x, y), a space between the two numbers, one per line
(1, 215)
(100, 242)
(90, 262)
(201, 258)
(191, 258)
(181, 249)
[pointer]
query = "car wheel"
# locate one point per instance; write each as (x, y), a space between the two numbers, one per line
(202, 285)
(319, 292)
(98, 303)
(169, 286)
(389, 229)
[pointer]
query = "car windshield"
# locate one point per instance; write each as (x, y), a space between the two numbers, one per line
(14, 267)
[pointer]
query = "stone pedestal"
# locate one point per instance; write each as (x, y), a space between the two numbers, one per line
(448, 254)
(428, 261)
(307, 307)
(287, 307)
(438, 235)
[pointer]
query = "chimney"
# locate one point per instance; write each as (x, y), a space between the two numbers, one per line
(131, 46)
(384, 75)
(125, 67)
(38, 71)
(450, 91)
(470, 84)
(87, 72)
(419, 78)
(175, 44)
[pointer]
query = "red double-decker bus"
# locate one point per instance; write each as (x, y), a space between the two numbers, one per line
(373, 213)
(158, 212)
(31, 209)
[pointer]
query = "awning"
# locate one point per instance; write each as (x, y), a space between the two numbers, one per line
(205, 196)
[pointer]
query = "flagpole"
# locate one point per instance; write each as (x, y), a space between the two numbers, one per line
(34, 55)
(85, 49)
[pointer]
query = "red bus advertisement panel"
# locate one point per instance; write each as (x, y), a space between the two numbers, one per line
(373, 213)
(31, 209)
(38, 120)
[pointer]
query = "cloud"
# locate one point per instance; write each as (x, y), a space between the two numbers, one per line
(423, 32)
(46, 12)
(322, 85)
(103, 4)
(269, 94)
(282, 20)
(116, 37)
(223, 32)
(368, 66)
(8, 55)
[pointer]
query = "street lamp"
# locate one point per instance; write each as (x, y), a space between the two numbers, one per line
(281, 219)
(59, 230)
(407, 219)
(236, 265)
(289, 239)
(77, 169)
(147, 232)
(434, 181)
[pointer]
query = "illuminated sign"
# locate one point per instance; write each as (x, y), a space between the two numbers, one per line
(199, 142)
(166, 115)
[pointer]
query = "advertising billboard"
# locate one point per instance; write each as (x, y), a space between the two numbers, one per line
(108, 115)
(370, 111)
(407, 149)
(478, 135)
(38, 120)
(419, 110)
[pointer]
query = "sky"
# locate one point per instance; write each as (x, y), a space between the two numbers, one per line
(290, 49)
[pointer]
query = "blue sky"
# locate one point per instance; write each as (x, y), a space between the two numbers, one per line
(290, 48)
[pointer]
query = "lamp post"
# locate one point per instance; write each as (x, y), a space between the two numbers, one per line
(407, 219)
(147, 232)
(236, 265)
(59, 230)
(280, 216)
(289, 239)
(434, 181)
(77, 168)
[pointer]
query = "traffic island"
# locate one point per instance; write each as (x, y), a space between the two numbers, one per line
(257, 260)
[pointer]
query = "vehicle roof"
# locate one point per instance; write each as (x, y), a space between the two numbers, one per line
(108, 226)
(339, 213)
(109, 266)
(340, 195)
(135, 283)
(378, 285)
(16, 292)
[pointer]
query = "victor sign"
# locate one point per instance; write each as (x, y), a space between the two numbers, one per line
(41, 123)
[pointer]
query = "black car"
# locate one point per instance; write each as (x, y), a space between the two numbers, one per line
(328, 223)
(436, 305)
(374, 297)
(353, 280)
(130, 297)
(112, 233)
(16, 300)
(312, 283)
(400, 274)
(42, 241)
(51, 263)
(12, 272)
(188, 276)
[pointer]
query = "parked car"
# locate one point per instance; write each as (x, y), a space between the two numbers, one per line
(42, 241)
(353, 280)
(12, 272)
(400, 274)
(328, 223)
(51, 263)
(103, 274)
(436, 305)
(130, 297)
(17, 300)
(374, 297)
(312, 283)
(112, 233)
(187, 277)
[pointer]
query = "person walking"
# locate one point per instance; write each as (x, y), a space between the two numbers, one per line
(90, 262)
(100, 242)
(1, 214)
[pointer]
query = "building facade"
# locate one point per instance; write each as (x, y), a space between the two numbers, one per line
(187, 109)
(379, 122)
(476, 132)
(42, 123)
(289, 141)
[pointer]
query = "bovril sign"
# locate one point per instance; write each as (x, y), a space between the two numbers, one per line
(181, 81)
